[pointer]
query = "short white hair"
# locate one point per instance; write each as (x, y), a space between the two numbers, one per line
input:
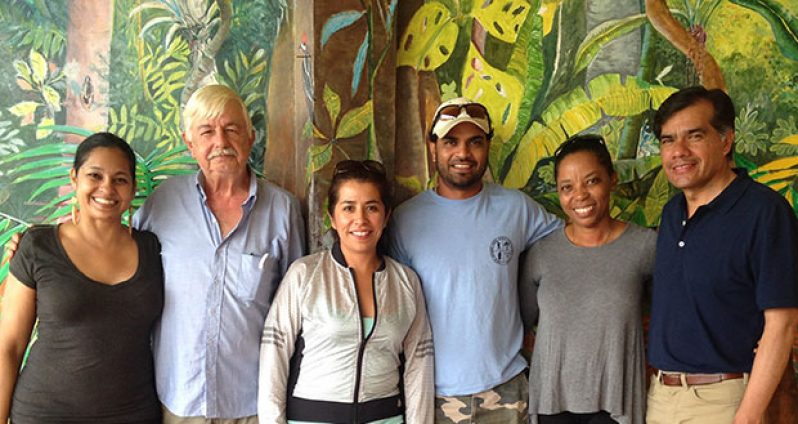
(209, 102)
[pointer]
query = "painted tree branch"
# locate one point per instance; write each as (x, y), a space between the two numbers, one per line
(203, 54)
(706, 67)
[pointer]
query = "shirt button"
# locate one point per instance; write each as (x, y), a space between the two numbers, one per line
(684, 223)
(681, 243)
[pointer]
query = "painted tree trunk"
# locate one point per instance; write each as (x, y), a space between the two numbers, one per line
(88, 47)
(705, 65)
(417, 97)
(203, 53)
(290, 106)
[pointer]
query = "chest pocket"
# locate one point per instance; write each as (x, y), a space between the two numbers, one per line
(258, 278)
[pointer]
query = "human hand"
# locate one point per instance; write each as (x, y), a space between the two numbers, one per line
(11, 247)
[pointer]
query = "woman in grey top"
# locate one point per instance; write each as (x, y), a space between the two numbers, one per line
(588, 282)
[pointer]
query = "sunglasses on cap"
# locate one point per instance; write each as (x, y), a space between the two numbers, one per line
(474, 110)
(349, 165)
(579, 139)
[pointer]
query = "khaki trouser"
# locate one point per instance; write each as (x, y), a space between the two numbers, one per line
(170, 418)
(701, 404)
(507, 403)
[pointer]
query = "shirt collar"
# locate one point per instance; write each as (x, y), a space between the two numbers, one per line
(253, 187)
(338, 255)
(724, 201)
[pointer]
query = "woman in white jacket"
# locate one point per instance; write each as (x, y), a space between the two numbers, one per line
(347, 337)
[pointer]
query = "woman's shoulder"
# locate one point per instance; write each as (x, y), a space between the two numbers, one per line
(401, 271)
(640, 233)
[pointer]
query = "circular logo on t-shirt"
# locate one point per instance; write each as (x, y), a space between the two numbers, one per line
(501, 250)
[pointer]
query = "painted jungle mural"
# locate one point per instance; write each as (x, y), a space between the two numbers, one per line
(329, 80)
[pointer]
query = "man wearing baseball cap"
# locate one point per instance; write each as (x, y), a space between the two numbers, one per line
(463, 238)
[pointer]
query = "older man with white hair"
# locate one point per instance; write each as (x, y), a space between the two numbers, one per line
(227, 238)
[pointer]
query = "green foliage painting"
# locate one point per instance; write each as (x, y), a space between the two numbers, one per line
(548, 69)
(158, 52)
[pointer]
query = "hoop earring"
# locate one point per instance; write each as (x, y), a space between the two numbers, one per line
(130, 220)
(74, 211)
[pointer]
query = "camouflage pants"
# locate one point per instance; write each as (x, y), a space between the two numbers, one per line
(504, 404)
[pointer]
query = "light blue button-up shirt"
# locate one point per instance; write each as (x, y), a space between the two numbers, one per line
(217, 292)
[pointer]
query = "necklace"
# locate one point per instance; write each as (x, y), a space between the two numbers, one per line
(608, 236)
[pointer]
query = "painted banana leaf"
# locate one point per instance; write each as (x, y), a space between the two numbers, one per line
(577, 111)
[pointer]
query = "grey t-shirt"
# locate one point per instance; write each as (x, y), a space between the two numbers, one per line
(92, 361)
(588, 353)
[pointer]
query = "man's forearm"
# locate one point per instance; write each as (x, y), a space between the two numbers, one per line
(772, 357)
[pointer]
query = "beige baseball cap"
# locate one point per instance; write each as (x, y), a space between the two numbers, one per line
(454, 112)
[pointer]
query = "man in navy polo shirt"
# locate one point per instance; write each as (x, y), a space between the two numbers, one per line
(726, 277)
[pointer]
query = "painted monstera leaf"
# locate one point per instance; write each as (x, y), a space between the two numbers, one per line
(501, 18)
(429, 39)
(575, 112)
(499, 91)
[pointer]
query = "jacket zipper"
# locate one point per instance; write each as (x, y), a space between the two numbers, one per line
(364, 340)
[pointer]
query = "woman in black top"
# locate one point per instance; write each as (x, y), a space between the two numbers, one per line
(96, 288)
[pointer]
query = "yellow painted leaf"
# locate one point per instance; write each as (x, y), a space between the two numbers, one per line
(429, 39)
(657, 196)
(778, 175)
(548, 8)
(41, 133)
(499, 91)
(52, 97)
(319, 155)
(38, 65)
(778, 164)
(501, 18)
(625, 99)
(780, 185)
(538, 143)
(790, 196)
(24, 108)
(332, 101)
(318, 134)
(793, 140)
(354, 121)
(573, 112)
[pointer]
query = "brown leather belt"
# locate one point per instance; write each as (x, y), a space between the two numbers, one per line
(696, 379)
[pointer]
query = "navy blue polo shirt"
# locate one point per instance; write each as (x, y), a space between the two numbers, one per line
(716, 273)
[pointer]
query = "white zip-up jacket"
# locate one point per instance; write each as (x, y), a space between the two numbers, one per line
(315, 363)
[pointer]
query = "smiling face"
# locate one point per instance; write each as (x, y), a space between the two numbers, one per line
(221, 145)
(359, 217)
(694, 153)
(584, 187)
(461, 158)
(103, 185)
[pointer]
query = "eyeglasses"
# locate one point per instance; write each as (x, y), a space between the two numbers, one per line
(579, 139)
(474, 110)
(348, 165)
